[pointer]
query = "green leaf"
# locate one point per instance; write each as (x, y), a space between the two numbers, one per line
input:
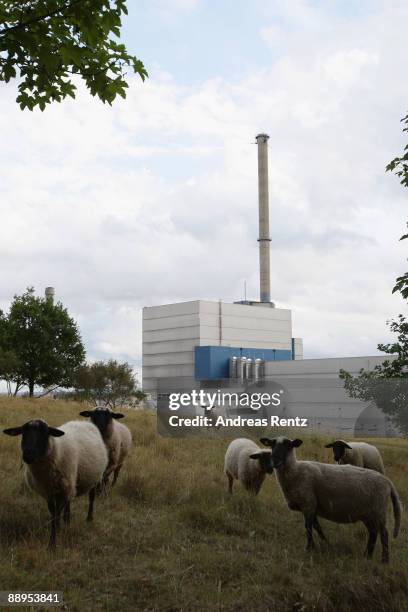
(46, 42)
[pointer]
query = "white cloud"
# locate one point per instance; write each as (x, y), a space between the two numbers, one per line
(155, 200)
(169, 10)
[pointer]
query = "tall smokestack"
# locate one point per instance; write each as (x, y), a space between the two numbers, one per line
(49, 293)
(264, 239)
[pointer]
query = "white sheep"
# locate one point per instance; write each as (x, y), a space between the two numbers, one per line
(61, 464)
(246, 462)
(116, 436)
(360, 454)
(339, 493)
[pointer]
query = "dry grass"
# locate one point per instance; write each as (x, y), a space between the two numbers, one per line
(169, 537)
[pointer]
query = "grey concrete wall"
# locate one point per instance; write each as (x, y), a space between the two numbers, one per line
(314, 390)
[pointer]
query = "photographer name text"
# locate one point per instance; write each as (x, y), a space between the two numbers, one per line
(238, 421)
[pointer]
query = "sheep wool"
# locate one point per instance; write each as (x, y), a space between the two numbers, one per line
(339, 493)
(118, 440)
(62, 463)
(364, 455)
(74, 463)
(116, 436)
(240, 466)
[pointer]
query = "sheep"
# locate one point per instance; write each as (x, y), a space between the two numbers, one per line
(245, 461)
(360, 454)
(62, 463)
(339, 493)
(116, 436)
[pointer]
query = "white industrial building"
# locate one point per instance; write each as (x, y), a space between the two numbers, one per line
(172, 334)
(193, 345)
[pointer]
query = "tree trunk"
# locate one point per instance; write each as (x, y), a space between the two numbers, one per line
(31, 388)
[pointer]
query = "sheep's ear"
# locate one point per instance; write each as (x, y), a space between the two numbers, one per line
(255, 455)
(57, 433)
(13, 431)
(296, 443)
(342, 444)
(267, 441)
(329, 445)
(117, 415)
(86, 413)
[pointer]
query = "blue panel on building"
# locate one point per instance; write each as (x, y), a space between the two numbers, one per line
(212, 362)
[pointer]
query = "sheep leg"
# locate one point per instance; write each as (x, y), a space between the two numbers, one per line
(52, 507)
(116, 474)
(89, 518)
(372, 538)
(230, 483)
(309, 522)
(67, 513)
(318, 528)
(384, 543)
(55, 508)
(102, 486)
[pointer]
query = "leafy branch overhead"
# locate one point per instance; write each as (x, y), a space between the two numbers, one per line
(401, 284)
(399, 165)
(47, 44)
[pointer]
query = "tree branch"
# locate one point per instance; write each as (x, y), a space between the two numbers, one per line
(22, 25)
(47, 392)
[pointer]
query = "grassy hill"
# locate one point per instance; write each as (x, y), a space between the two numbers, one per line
(169, 537)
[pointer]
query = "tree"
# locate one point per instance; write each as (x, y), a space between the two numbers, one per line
(9, 365)
(399, 165)
(387, 384)
(8, 359)
(47, 43)
(110, 383)
(44, 341)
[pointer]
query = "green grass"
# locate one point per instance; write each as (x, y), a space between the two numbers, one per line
(169, 537)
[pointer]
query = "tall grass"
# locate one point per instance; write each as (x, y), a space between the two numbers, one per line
(169, 537)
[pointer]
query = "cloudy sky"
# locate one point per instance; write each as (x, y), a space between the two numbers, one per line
(155, 200)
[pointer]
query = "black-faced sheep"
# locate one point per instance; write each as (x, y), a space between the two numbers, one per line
(62, 463)
(339, 493)
(246, 462)
(360, 454)
(116, 436)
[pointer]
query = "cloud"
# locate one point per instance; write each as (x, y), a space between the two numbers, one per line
(169, 10)
(155, 199)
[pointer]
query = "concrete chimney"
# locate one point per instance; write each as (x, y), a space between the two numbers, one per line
(264, 239)
(49, 293)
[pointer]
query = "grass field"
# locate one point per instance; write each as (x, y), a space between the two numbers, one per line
(169, 537)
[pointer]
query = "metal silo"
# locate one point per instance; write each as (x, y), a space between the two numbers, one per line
(241, 367)
(257, 369)
(249, 367)
(233, 369)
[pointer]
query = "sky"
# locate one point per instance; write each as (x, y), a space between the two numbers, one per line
(154, 200)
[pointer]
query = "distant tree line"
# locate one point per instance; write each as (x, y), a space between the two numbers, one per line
(109, 383)
(41, 350)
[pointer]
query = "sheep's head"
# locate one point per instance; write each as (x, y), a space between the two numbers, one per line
(34, 442)
(265, 461)
(282, 448)
(339, 448)
(102, 417)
